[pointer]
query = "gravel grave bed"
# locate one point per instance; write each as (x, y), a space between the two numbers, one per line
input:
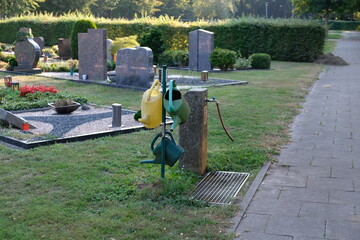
(51, 125)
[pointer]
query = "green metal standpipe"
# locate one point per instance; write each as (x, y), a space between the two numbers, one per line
(163, 153)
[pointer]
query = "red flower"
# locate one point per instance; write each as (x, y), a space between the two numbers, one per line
(39, 88)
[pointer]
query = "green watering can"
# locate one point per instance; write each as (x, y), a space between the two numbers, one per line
(175, 105)
(172, 151)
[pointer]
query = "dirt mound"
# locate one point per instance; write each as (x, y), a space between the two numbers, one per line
(331, 59)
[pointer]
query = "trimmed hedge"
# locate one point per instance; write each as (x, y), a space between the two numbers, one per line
(344, 25)
(223, 58)
(80, 26)
(287, 39)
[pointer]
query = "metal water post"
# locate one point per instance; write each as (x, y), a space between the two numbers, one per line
(163, 153)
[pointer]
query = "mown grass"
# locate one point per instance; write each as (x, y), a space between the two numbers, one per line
(98, 190)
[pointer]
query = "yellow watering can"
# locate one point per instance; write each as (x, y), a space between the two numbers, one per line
(151, 106)
(175, 105)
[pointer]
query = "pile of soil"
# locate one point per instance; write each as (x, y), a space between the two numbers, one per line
(331, 59)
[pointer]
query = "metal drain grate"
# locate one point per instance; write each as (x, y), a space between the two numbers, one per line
(220, 187)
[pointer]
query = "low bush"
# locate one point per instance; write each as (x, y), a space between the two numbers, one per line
(124, 42)
(11, 60)
(223, 58)
(174, 58)
(242, 63)
(260, 61)
(49, 52)
(63, 66)
(2, 46)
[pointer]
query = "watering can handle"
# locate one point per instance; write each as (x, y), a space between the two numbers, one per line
(156, 83)
(159, 135)
(154, 140)
(171, 106)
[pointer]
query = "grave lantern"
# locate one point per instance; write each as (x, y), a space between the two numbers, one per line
(7, 81)
(15, 86)
(204, 76)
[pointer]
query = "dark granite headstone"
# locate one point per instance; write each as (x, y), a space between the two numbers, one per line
(109, 56)
(64, 48)
(41, 43)
(201, 44)
(134, 67)
(27, 55)
(92, 54)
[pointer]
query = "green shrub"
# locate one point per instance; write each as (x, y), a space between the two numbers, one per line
(223, 58)
(260, 61)
(80, 26)
(2, 46)
(154, 41)
(174, 58)
(63, 66)
(49, 52)
(111, 65)
(55, 48)
(242, 63)
(124, 42)
(11, 60)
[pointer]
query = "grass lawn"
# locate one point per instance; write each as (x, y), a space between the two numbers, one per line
(98, 190)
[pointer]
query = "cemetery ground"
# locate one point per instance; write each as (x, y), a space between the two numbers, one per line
(98, 189)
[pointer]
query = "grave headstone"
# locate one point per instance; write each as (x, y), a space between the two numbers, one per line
(109, 56)
(27, 53)
(41, 43)
(134, 67)
(201, 44)
(92, 54)
(64, 48)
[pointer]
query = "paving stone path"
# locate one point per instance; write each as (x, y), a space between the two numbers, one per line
(313, 192)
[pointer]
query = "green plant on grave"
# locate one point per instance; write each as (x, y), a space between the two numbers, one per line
(22, 36)
(124, 42)
(174, 58)
(63, 102)
(223, 58)
(80, 26)
(11, 60)
(260, 61)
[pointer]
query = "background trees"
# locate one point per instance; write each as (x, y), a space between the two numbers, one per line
(188, 9)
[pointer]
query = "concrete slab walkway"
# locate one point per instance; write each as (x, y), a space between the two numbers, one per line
(313, 192)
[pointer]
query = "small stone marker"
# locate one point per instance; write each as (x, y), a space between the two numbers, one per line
(14, 120)
(134, 67)
(109, 56)
(201, 44)
(193, 133)
(64, 48)
(27, 54)
(41, 43)
(92, 54)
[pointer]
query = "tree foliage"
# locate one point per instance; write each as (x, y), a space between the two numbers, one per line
(210, 9)
(15, 7)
